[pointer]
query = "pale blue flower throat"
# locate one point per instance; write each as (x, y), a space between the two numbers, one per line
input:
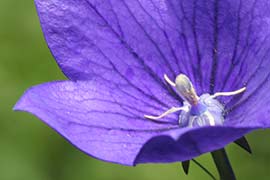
(202, 110)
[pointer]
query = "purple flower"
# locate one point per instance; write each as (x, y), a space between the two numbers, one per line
(116, 52)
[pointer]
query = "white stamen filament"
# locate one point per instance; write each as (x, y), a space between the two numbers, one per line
(167, 79)
(170, 111)
(239, 91)
(211, 118)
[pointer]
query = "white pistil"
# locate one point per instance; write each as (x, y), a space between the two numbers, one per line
(185, 89)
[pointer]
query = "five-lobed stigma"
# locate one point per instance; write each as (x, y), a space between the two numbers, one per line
(202, 110)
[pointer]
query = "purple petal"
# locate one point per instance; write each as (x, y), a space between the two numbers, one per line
(221, 45)
(252, 109)
(109, 39)
(181, 146)
(214, 42)
(102, 123)
(98, 118)
(126, 47)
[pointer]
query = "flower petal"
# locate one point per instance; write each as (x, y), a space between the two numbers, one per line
(98, 118)
(220, 45)
(214, 42)
(105, 124)
(114, 39)
(92, 36)
(181, 146)
(251, 109)
(229, 40)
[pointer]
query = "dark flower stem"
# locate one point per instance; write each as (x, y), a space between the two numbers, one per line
(223, 165)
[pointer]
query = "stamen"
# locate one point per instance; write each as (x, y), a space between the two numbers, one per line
(196, 111)
(167, 79)
(170, 111)
(239, 91)
(210, 118)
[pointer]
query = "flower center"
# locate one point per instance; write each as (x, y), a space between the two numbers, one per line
(196, 111)
(207, 111)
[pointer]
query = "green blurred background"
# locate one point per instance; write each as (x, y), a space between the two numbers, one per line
(29, 150)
